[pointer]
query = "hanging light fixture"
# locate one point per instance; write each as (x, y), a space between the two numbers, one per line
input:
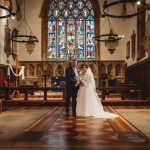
(30, 46)
(29, 39)
(111, 43)
(109, 7)
(110, 39)
(6, 7)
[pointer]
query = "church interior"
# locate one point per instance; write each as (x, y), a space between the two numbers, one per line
(38, 38)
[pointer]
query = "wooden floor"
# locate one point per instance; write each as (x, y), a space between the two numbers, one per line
(55, 130)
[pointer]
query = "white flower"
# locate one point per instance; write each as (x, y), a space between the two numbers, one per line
(82, 79)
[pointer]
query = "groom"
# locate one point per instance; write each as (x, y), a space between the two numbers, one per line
(71, 88)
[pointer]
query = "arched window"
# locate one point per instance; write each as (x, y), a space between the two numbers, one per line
(71, 29)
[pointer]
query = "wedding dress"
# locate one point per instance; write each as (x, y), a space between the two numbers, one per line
(88, 102)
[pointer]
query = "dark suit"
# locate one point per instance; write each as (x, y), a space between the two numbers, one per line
(71, 89)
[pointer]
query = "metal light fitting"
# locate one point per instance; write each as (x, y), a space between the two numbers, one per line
(109, 5)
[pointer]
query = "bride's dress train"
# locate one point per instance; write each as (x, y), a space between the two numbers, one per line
(88, 103)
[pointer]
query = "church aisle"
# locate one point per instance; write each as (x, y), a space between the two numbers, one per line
(51, 129)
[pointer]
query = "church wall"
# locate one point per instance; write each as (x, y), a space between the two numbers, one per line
(131, 24)
(32, 12)
(120, 26)
(139, 72)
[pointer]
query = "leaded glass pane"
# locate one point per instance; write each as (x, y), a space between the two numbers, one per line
(71, 4)
(61, 39)
(66, 13)
(80, 38)
(71, 38)
(75, 12)
(85, 12)
(49, 13)
(80, 4)
(52, 38)
(92, 12)
(56, 12)
(90, 49)
(89, 5)
(53, 5)
(61, 5)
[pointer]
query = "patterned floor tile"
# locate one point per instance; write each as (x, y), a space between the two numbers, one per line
(81, 129)
(131, 137)
(80, 137)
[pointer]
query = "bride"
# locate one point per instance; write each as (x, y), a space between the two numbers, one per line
(88, 103)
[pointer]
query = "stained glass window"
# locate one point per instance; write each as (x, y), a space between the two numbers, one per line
(61, 39)
(71, 30)
(80, 39)
(52, 38)
(71, 37)
(89, 38)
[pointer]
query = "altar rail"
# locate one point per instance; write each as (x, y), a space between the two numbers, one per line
(30, 89)
(134, 91)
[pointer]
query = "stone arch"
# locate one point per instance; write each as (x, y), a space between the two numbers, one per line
(118, 70)
(31, 70)
(59, 70)
(39, 70)
(50, 69)
(110, 70)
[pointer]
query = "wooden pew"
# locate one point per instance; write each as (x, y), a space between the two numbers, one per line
(121, 89)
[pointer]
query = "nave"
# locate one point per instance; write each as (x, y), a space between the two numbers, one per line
(44, 128)
(39, 40)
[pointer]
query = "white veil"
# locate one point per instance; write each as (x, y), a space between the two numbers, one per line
(92, 80)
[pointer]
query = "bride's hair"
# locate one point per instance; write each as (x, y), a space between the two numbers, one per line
(84, 66)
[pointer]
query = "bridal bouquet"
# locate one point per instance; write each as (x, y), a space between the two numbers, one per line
(81, 80)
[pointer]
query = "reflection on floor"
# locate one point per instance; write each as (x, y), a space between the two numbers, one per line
(43, 128)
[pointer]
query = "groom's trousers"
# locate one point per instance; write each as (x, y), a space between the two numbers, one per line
(71, 93)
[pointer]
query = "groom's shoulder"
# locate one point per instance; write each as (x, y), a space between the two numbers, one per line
(68, 68)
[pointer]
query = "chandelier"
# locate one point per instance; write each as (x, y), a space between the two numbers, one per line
(132, 5)
(6, 6)
(110, 39)
(29, 39)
